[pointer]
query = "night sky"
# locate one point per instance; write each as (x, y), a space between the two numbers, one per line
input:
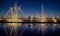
(51, 7)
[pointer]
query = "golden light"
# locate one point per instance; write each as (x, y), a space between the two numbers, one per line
(53, 18)
(42, 25)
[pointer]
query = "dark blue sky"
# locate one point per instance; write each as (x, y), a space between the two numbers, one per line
(51, 7)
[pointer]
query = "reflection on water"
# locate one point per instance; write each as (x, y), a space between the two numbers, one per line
(18, 29)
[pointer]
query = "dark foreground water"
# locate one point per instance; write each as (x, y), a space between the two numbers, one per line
(29, 30)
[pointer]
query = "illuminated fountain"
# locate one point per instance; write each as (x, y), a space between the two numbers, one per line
(13, 17)
(44, 26)
(43, 19)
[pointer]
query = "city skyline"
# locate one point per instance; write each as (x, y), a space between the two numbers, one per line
(51, 7)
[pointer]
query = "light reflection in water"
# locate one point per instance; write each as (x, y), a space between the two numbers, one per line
(36, 26)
